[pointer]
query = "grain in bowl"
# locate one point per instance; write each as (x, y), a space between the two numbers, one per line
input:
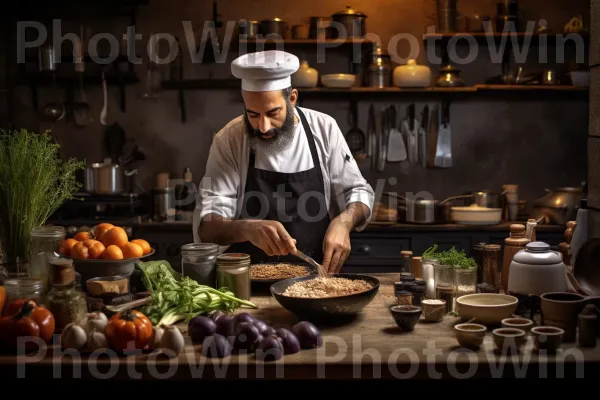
(322, 287)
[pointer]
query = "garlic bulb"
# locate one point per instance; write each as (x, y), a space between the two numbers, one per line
(73, 336)
(157, 335)
(172, 340)
(95, 322)
(97, 340)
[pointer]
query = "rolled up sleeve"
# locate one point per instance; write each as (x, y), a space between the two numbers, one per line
(218, 189)
(346, 179)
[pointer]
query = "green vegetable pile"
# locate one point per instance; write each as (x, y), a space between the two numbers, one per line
(176, 298)
(453, 257)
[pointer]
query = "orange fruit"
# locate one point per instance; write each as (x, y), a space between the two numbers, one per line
(101, 229)
(143, 244)
(80, 250)
(81, 236)
(112, 252)
(115, 236)
(132, 250)
(96, 250)
(65, 246)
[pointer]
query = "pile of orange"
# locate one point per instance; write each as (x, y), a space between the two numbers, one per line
(106, 242)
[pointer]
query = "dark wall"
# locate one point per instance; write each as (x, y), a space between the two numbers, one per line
(535, 140)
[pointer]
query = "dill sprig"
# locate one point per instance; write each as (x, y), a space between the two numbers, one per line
(452, 257)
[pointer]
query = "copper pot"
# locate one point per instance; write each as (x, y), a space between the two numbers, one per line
(558, 206)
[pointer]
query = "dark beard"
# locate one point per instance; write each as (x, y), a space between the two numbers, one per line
(282, 137)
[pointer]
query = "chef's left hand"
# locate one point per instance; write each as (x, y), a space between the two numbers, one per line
(336, 246)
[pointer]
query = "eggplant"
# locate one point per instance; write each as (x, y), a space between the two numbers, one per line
(223, 325)
(238, 319)
(289, 341)
(308, 335)
(262, 327)
(216, 314)
(247, 337)
(200, 327)
(269, 349)
(216, 346)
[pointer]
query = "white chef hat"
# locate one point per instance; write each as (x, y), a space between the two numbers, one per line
(265, 70)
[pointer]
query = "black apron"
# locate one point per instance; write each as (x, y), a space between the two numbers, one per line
(297, 200)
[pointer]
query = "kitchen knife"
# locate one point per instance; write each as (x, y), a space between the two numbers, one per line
(423, 137)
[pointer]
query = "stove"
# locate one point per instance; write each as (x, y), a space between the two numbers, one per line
(88, 210)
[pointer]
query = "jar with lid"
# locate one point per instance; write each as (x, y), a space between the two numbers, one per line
(465, 281)
(198, 261)
(405, 298)
(427, 265)
(418, 292)
(233, 272)
(23, 289)
(66, 301)
(444, 284)
(491, 274)
(406, 267)
(379, 71)
(45, 241)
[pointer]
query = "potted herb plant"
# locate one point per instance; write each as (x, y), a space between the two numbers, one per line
(34, 182)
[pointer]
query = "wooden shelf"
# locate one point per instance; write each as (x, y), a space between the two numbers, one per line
(485, 37)
(306, 41)
(124, 78)
(532, 88)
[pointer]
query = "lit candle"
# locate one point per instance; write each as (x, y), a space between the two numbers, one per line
(428, 277)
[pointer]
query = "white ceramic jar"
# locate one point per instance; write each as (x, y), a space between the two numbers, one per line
(537, 270)
(412, 75)
(305, 77)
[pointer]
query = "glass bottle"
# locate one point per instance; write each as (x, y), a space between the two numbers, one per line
(233, 272)
(66, 300)
(491, 265)
(23, 289)
(198, 261)
(427, 265)
(465, 281)
(45, 241)
(406, 262)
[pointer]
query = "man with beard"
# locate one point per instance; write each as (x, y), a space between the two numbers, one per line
(280, 177)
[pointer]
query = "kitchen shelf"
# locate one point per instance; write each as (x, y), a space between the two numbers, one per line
(484, 37)
(310, 42)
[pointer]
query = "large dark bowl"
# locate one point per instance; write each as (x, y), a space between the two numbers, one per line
(328, 308)
(95, 268)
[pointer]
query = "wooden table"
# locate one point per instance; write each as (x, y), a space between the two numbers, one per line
(370, 347)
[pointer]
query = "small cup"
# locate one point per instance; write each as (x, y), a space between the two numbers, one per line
(547, 337)
(433, 309)
(519, 323)
(505, 338)
(406, 316)
(470, 335)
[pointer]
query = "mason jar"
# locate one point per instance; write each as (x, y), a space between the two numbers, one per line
(465, 281)
(428, 275)
(23, 289)
(444, 284)
(198, 261)
(233, 272)
(45, 241)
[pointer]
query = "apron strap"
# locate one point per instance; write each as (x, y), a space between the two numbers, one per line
(311, 144)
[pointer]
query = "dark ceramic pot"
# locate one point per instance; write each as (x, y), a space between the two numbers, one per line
(406, 316)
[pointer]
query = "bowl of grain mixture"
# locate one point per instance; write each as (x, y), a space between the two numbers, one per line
(322, 298)
(271, 273)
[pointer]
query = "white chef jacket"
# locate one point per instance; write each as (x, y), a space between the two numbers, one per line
(221, 190)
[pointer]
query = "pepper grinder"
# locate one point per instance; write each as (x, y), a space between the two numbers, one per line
(586, 324)
(512, 244)
(565, 247)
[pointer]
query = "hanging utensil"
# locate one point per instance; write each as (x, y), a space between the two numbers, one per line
(445, 138)
(422, 137)
(382, 139)
(432, 137)
(355, 137)
(412, 134)
(396, 151)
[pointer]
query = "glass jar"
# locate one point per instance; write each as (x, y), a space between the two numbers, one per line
(418, 293)
(444, 284)
(405, 298)
(492, 266)
(66, 300)
(45, 241)
(233, 272)
(465, 281)
(427, 272)
(198, 261)
(487, 288)
(23, 288)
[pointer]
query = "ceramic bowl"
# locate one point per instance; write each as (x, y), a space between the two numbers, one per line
(486, 308)
(470, 335)
(509, 339)
(433, 309)
(519, 323)
(338, 80)
(547, 337)
(406, 316)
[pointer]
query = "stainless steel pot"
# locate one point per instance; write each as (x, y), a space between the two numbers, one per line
(425, 211)
(275, 28)
(558, 206)
(248, 28)
(106, 178)
(348, 23)
(488, 198)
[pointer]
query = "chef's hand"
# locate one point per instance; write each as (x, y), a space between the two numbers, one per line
(336, 246)
(271, 237)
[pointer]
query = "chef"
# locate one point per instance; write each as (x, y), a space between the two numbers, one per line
(280, 177)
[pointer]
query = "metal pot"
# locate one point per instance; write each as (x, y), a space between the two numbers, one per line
(425, 211)
(488, 198)
(248, 28)
(106, 178)
(558, 206)
(349, 24)
(275, 28)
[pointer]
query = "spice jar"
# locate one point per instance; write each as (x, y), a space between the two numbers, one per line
(233, 272)
(465, 281)
(405, 298)
(418, 293)
(492, 254)
(443, 277)
(487, 288)
(406, 262)
(45, 241)
(198, 261)
(66, 300)
(23, 288)
(406, 277)
(586, 323)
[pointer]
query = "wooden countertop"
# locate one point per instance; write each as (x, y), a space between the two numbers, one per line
(369, 347)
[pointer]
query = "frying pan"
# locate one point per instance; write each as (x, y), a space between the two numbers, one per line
(329, 309)
(586, 268)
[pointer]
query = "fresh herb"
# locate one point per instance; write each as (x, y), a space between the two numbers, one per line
(34, 183)
(452, 257)
(176, 298)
